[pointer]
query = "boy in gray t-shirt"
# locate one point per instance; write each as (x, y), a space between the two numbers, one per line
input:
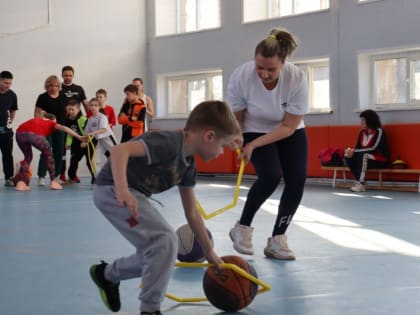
(149, 164)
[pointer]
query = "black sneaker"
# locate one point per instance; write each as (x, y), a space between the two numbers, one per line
(109, 291)
(152, 313)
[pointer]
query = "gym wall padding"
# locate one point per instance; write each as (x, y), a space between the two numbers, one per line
(403, 142)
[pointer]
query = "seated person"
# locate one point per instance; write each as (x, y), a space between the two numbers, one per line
(371, 149)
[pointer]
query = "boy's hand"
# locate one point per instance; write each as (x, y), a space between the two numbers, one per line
(126, 198)
(212, 258)
(83, 145)
(84, 138)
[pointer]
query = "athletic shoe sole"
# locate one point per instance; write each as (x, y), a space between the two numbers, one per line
(271, 254)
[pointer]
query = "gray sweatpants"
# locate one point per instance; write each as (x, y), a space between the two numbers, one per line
(155, 242)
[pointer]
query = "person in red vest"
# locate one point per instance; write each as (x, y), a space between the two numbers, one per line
(33, 133)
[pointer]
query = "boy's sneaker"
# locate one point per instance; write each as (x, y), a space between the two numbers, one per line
(358, 187)
(41, 181)
(75, 179)
(55, 185)
(241, 235)
(9, 183)
(277, 248)
(109, 291)
(62, 177)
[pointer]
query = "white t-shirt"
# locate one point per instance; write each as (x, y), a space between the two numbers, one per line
(96, 123)
(265, 109)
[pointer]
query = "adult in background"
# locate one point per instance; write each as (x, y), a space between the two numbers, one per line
(71, 91)
(147, 100)
(371, 150)
(8, 108)
(53, 102)
(269, 97)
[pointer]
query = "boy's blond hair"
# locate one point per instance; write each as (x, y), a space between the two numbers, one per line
(215, 115)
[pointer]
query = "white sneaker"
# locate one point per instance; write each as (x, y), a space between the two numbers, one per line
(277, 248)
(41, 181)
(241, 236)
(358, 187)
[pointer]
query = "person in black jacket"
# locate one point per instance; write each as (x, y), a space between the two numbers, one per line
(371, 149)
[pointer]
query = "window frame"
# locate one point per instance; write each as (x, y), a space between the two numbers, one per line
(366, 1)
(307, 66)
(270, 17)
(411, 103)
(188, 76)
(179, 20)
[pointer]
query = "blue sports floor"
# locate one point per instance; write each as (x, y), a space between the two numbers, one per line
(356, 253)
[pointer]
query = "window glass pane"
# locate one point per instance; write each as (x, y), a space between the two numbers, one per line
(285, 7)
(166, 17)
(255, 10)
(180, 16)
(196, 92)
(177, 97)
(301, 6)
(208, 14)
(320, 88)
(188, 15)
(391, 81)
(216, 87)
(416, 79)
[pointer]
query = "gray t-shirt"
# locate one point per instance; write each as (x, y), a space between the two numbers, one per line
(163, 167)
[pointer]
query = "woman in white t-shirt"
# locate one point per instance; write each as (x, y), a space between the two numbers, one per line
(269, 97)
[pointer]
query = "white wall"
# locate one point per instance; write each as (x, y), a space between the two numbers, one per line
(338, 33)
(104, 40)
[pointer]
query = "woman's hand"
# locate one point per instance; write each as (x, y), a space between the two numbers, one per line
(237, 142)
(348, 152)
(247, 152)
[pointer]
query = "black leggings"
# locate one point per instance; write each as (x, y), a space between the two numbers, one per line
(360, 162)
(287, 157)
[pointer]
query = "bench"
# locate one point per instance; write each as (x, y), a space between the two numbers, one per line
(380, 172)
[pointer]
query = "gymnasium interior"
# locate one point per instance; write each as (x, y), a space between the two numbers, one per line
(356, 252)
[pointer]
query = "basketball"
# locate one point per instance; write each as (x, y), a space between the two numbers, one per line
(228, 290)
(189, 250)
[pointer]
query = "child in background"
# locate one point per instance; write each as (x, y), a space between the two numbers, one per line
(148, 164)
(77, 122)
(33, 133)
(132, 114)
(98, 127)
(107, 110)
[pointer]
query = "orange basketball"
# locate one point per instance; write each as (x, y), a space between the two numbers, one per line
(228, 290)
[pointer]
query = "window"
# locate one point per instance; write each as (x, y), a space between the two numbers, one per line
(256, 10)
(395, 80)
(415, 79)
(186, 91)
(390, 81)
(183, 16)
(318, 73)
